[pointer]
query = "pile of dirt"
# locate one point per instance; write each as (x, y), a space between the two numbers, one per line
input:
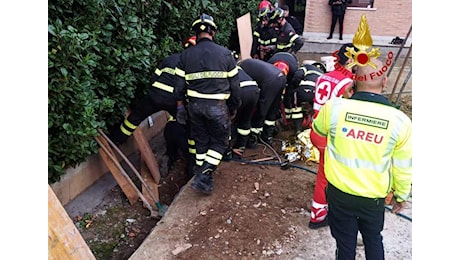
(257, 209)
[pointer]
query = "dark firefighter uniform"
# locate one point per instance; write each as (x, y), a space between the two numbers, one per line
(300, 92)
(160, 97)
(208, 79)
(288, 63)
(271, 82)
(263, 38)
(249, 96)
(287, 39)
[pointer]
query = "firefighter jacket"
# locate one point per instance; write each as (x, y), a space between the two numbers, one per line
(369, 146)
(261, 71)
(288, 40)
(208, 71)
(164, 77)
(263, 41)
(329, 86)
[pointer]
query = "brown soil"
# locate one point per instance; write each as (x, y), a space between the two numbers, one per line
(252, 195)
(115, 229)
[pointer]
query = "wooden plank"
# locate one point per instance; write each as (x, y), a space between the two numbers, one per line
(64, 239)
(245, 35)
(147, 154)
(122, 181)
(148, 179)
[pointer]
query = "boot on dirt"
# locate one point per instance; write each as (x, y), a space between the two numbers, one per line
(204, 179)
(267, 134)
(253, 140)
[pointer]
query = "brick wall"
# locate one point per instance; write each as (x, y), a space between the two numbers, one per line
(388, 18)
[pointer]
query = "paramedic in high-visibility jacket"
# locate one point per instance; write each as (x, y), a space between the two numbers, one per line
(368, 154)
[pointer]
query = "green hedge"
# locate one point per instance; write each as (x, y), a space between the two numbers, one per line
(101, 55)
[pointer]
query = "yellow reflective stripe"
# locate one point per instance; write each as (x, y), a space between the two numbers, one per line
(297, 109)
(294, 38)
(257, 130)
(200, 156)
(158, 72)
(191, 142)
(179, 72)
(125, 131)
(264, 42)
(313, 72)
(307, 83)
(304, 70)
(248, 83)
(214, 154)
(297, 116)
(283, 46)
(207, 75)
(269, 122)
(402, 163)
(233, 72)
(243, 132)
(256, 33)
(163, 86)
(193, 93)
(199, 163)
(213, 157)
(192, 150)
(171, 71)
(287, 110)
(212, 161)
(128, 124)
(206, 21)
(356, 163)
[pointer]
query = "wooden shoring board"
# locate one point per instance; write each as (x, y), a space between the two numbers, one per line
(148, 179)
(245, 35)
(64, 239)
(124, 183)
(147, 155)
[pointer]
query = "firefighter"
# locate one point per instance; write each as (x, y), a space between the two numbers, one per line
(249, 97)
(299, 95)
(333, 84)
(264, 37)
(271, 81)
(208, 77)
(278, 60)
(160, 97)
(176, 138)
(287, 39)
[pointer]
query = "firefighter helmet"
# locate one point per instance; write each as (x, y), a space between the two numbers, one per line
(263, 13)
(265, 4)
(204, 23)
(320, 66)
(283, 66)
(190, 42)
(275, 15)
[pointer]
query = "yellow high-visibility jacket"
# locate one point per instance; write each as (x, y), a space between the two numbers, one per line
(369, 147)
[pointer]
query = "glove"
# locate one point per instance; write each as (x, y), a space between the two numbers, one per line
(181, 116)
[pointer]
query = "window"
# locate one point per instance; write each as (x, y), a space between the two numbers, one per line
(362, 3)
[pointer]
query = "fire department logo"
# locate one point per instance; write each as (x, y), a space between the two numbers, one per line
(363, 41)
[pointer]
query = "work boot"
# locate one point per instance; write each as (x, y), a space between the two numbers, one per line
(298, 125)
(252, 142)
(227, 155)
(267, 134)
(204, 179)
